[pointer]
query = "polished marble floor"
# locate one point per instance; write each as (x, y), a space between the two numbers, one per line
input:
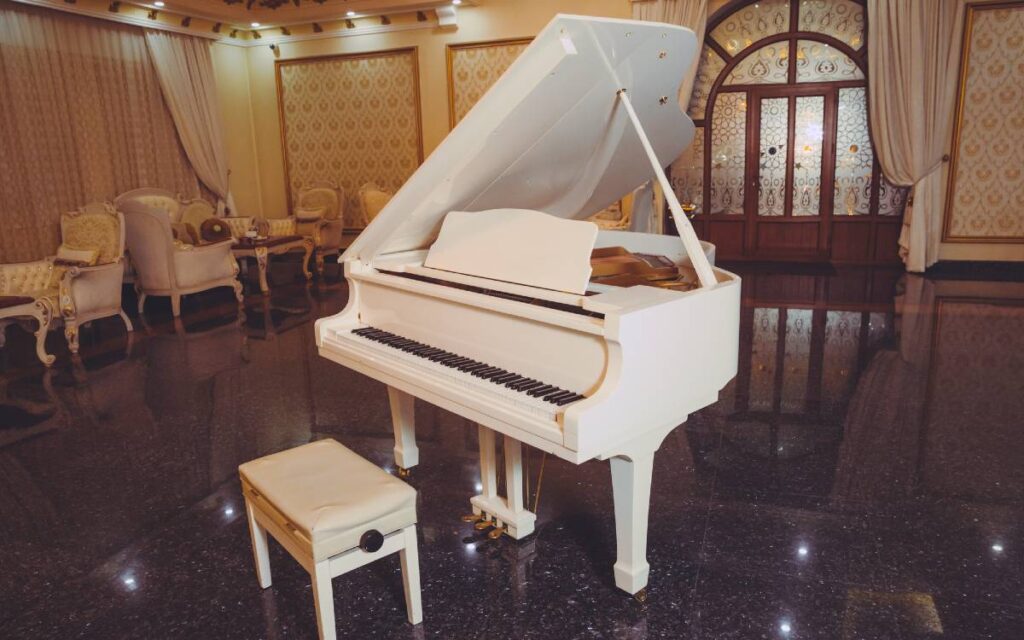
(862, 478)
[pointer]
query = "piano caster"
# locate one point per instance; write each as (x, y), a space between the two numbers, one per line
(641, 596)
(403, 472)
(473, 517)
(495, 533)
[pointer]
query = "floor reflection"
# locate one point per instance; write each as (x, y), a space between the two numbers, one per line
(861, 477)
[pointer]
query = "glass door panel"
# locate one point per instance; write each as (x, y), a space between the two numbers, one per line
(854, 156)
(728, 151)
(771, 196)
(808, 136)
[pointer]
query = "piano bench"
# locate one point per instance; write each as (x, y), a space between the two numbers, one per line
(333, 512)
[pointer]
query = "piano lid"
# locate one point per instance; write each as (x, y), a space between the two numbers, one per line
(551, 134)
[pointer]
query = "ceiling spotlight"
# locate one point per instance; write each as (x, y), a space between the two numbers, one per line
(158, 3)
(350, 13)
(456, 2)
(255, 25)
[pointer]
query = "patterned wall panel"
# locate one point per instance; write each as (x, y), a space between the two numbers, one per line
(473, 68)
(986, 195)
(752, 23)
(350, 119)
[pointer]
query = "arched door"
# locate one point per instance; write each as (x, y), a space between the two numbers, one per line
(783, 166)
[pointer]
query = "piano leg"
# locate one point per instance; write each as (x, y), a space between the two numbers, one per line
(407, 454)
(631, 489)
(508, 512)
(632, 468)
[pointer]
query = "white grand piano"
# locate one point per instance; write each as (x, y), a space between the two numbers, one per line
(471, 289)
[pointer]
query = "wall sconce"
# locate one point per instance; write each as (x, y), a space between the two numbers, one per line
(421, 16)
(153, 13)
(350, 24)
(234, 33)
(385, 20)
(285, 31)
(217, 27)
(186, 21)
(317, 28)
(114, 7)
(256, 35)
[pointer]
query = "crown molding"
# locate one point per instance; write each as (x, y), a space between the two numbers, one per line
(223, 38)
(103, 14)
(339, 33)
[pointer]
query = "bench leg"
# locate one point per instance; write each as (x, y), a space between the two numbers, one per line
(260, 552)
(323, 596)
(410, 558)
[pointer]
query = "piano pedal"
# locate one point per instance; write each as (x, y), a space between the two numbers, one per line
(495, 533)
(403, 472)
(641, 596)
(473, 517)
(483, 524)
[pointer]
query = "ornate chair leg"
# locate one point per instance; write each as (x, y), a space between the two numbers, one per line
(127, 322)
(71, 334)
(44, 315)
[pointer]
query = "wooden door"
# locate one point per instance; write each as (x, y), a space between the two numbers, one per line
(790, 155)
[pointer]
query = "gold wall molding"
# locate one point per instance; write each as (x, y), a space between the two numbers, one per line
(350, 119)
(473, 67)
(985, 196)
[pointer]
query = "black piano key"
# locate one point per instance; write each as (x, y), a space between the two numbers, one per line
(429, 351)
(505, 378)
(494, 375)
(453, 361)
(485, 371)
(439, 354)
(360, 332)
(539, 391)
(556, 395)
(572, 398)
(473, 365)
(529, 384)
(514, 380)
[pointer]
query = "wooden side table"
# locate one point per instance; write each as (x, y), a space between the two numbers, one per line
(262, 249)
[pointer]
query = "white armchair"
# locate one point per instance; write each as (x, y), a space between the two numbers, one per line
(320, 215)
(169, 268)
(83, 281)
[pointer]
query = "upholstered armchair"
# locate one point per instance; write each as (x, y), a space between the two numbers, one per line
(372, 199)
(168, 268)
(82, 282)
(320, 214)
(612, 218)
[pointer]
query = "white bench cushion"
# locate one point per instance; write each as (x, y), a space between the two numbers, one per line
(330, 495)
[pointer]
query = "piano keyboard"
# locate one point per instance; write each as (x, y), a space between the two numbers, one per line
(529, 393)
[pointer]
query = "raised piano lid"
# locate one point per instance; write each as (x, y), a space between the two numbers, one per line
(551, 134)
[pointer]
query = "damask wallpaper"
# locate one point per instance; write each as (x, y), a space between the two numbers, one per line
(473, 68)
(986, 194)
(350, 119)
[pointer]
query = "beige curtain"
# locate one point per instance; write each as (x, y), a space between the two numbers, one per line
(913, 53)
(82, 119)
(648, 202)
(185, 70)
